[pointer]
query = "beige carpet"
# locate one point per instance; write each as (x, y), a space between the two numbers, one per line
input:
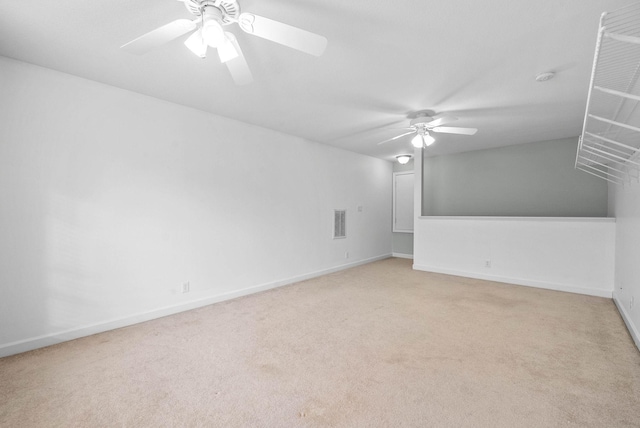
(378, 345)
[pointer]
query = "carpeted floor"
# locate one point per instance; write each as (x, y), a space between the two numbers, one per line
(378, 345)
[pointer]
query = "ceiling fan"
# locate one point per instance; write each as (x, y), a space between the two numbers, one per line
(423, 122)
(207, 27)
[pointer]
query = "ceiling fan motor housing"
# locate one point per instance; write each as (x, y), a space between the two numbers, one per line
(229, 10)
(421, 121)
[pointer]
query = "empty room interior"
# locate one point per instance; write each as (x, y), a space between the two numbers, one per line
(245, 213)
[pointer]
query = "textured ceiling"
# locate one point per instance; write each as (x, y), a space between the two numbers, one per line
(385, 60)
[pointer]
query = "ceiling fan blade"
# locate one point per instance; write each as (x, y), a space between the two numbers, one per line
(226, 50)
(238, 66)
(159, 36)
(441, 120)
(284, 34)
(454, 130)
(396, 137)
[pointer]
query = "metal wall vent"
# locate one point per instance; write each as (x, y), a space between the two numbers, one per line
(339, 224)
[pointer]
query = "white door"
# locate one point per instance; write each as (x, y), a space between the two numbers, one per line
(403, 202)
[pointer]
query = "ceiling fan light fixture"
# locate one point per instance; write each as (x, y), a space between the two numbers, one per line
(196, 44)
(417, 141)
(428, 139)
(212, 31)
(422, 139)
(403, 159)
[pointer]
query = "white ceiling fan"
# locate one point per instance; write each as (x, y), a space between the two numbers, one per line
(207, 27)
(423, 122)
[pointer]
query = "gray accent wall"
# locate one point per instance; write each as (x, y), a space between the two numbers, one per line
(402, 243)
(530, 180)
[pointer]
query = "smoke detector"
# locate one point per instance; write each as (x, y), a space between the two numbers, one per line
(543, 77)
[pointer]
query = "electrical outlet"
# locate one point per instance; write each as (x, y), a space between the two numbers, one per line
(346, 254)
(185, 287)
(631, 302)
(487, 263)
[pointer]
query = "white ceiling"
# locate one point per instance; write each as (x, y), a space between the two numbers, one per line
(384, 60)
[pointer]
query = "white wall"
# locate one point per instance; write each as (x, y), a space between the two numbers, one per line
(525, 209)
(111, 200)
(626, 208)
(565, 254)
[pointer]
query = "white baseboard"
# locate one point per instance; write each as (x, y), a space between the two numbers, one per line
(87, 330)
(402, 255)
(520, 281)
(633, 331)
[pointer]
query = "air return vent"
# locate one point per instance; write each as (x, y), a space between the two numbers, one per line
(339, 224)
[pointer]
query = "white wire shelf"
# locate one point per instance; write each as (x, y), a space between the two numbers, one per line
(609, 146)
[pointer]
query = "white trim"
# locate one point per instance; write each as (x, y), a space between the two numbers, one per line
(515, 218)
(87, 330)
(519, 281)
(633, 331)
(402, 255)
